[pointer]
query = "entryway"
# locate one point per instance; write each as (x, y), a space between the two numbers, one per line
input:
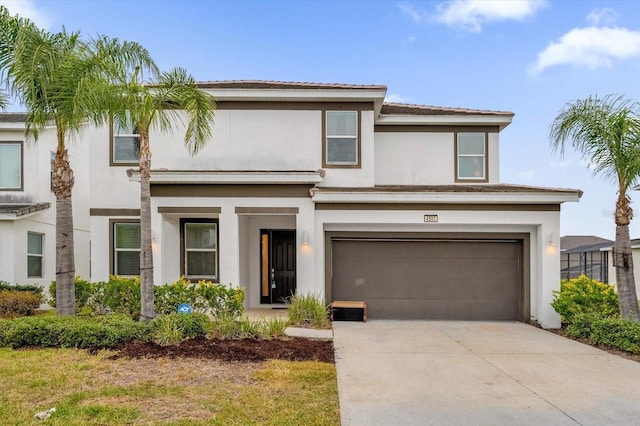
(277, 265)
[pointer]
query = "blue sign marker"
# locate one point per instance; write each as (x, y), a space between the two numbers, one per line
(184, 308)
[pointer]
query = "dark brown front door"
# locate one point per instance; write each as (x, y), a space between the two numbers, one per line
(278, 264)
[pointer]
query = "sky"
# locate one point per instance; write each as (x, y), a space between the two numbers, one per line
(526, 56)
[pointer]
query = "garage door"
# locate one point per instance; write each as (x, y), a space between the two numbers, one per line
(426, 279)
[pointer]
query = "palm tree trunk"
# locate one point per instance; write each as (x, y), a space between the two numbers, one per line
(65, 262)
(623, 261)
(146, 254)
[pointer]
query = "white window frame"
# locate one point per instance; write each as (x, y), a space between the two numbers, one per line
(187, 250)
(37, 255)
(482, 157)
(355, 138)
(116, 134)
(116, 249)
(20, 162)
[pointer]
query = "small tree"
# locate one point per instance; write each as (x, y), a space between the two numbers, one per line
(158, 104)
(606, 131)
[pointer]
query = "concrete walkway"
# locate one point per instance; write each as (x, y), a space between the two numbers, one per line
(478, 373)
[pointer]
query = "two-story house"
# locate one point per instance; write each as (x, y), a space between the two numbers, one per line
(27, 204)
(327, 189)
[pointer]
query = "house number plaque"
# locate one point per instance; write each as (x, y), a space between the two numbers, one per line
(430, 217)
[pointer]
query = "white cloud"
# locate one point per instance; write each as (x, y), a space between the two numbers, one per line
(592, 47)
(603, 16)
(27, 9)
(527, 175)
(472, 15)
(417, 16)
(562, 164)
(396, 99)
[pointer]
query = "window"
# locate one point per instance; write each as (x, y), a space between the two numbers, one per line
(34, 255)
(125, 146)
(471, 152)
(126, 245)
(341, 144)
(200, 249)
(11, 166)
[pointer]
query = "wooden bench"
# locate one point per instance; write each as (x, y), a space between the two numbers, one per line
(349, 308)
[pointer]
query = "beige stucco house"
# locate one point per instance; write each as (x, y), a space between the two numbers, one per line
(327, 189)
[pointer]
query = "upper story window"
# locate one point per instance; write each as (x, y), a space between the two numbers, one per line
(126, 248)
(342, 140)
(471, 153)
(11, 166)
(125, 146)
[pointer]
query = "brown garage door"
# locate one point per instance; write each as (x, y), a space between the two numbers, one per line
(423, 279)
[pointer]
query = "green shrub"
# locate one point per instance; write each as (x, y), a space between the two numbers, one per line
(16, 287)
(583, 295)
(118, 295)
(174, 328)
(308, 311)
(581, 323)
(83, 290)
(617, 333)
(18, 303)
(270, 328)
(235, 328)
(71, 332)
(206, 297)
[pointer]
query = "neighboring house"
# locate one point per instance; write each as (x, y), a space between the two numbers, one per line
(584, 255)
(635, 252)
(326, 189)
(27, 205)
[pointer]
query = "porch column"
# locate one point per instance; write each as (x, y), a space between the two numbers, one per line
(229, 249)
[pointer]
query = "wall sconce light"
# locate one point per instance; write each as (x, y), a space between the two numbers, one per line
(552, 239)
(305, 238)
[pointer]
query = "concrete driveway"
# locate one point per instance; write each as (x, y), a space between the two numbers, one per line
(478, 373)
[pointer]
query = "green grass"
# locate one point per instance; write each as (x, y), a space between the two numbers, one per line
(94, 390)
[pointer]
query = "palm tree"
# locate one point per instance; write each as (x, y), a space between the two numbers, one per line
(606, 131)
(61, 79)
(173, 95)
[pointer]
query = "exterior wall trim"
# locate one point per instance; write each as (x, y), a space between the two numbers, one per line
(114, 212)
(435, 206)
(267, 210)
(436, 128)
(226, 191)
(203, 210)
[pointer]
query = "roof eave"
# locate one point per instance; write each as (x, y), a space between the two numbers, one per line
(444, 197)
(501, 121)
(229, 177)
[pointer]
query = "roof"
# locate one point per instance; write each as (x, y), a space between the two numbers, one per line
(588, 248)
(266, 84)
(12, 117)
(570, 242)
(18, 210)
(411, 109)
(490, 188)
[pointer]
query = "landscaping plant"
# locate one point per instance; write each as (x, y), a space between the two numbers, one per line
(18, 303)
(583, 295)
(308, 311)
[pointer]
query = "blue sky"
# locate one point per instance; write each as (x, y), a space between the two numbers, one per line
(529, 57)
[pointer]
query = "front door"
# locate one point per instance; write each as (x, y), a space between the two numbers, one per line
(278, 265)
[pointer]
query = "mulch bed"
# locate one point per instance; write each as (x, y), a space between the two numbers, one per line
(233, 350)
(624, 354)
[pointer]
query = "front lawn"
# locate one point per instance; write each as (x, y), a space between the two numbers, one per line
(96, 390)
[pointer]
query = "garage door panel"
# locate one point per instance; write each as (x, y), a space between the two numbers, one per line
(430, 279)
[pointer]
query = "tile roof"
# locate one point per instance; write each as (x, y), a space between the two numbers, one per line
(22, 209)
(265, 84)
(410, 109)
(12, 117)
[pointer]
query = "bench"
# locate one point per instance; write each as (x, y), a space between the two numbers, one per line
(348, 310)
